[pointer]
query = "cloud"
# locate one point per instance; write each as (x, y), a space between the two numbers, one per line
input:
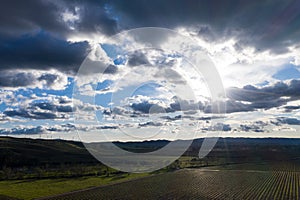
(32, 114)
(246, 99)
(250, 98)
(177, 117)
(69, 127)
(53, 107)
(286, 120)
(137, 58)
(41, 51)
(59, 17)
(273, 29)
(48, 129)
(290, 88)
(218, 127)
(150, 124)
(145, 104)
(111, 69)
(291, 108)
(37, 50)
(23, 130)
(171, 75)
(33, 16)
(38, 36)
(94, 17)
(4, 119)
(229, 106)
(146, 107)
(107, 127)
(252, 127)
(16, 79)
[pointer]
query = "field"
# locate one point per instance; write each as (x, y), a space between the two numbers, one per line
(201, 184)
(237, 168)
(30, 189)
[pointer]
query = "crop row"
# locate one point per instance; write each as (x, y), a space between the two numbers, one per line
(200, 184)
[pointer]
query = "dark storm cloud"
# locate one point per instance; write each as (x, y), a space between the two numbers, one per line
(95, 17)
(266, 25)
(19, 17)
(41, 51)
(263, 98)
(16, 80)
(33, 33)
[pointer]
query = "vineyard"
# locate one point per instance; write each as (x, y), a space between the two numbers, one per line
(202, 184)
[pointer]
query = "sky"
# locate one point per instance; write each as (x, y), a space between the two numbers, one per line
(92, 70)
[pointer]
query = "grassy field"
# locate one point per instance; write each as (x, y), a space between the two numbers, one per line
(29, 189)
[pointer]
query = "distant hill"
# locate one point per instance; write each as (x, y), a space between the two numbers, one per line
(19, 152)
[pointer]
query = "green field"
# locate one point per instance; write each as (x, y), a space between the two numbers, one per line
(29, 189)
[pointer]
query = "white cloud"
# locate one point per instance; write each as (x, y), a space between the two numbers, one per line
(70, 18)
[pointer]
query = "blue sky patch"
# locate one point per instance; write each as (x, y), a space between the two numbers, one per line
(288, 72)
